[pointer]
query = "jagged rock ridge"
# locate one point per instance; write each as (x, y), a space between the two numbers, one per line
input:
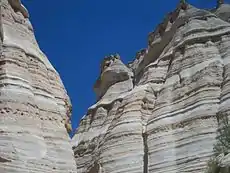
(159, 113)
(34, 105)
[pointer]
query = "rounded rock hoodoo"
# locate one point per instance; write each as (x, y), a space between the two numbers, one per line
(33, 101)
(113, 71)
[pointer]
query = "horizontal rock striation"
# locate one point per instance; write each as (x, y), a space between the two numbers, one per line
(159, 114)
(34, 105)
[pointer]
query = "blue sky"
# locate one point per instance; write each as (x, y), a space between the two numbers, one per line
(77, 34)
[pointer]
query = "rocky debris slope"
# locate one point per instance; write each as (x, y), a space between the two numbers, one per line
(159, 113)
(34, 107)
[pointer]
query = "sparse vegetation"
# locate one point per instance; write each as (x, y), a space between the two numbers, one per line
(183, 4)
(213, 166)
(223, 138)
(222, 147)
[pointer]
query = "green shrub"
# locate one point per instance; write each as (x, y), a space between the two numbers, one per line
(222, 146)
(213, 166)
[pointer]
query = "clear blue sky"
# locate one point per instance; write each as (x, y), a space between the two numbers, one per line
(77, 34)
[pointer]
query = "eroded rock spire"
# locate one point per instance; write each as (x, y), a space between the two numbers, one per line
(165, 122)
(114, 75)
(34, 107)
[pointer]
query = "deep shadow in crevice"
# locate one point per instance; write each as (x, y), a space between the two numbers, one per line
(3, 160)
(145, 158)
(95, 168)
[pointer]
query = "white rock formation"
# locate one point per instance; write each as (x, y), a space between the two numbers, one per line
(18, 6)
(224, 12)
(164, 119)
(34, 106)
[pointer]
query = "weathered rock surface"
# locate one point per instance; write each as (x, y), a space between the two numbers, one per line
(34, 105)
(224, 12)
(159, 113)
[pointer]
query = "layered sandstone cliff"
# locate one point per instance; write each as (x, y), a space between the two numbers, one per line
(34, 106)
(160, 112)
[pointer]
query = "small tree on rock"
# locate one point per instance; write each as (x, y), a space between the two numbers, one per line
(183, 4)
(222, 147)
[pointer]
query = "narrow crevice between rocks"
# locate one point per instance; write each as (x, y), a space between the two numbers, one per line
(180, 78)
(219, 115)
(3, 160)
(1, 28)
(170, 63)
(92, 117)
(145, 158)
(133, 78)
(95, 168)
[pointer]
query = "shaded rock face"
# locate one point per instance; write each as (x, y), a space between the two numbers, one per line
(166, 120)
(34, 106)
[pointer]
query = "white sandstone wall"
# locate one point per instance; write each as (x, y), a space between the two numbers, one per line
(33, 111)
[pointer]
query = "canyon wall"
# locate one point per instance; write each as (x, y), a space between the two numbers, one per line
(160, 112)
(34, 106)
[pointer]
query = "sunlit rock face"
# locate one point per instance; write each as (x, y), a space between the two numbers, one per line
(224, 12)
(34, 106)
(165, 120)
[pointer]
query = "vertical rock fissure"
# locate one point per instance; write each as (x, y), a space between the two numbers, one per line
(1, 28)
(170, 63)
(220, 117)
(95, 168)
(133, 78)
(145, 158)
